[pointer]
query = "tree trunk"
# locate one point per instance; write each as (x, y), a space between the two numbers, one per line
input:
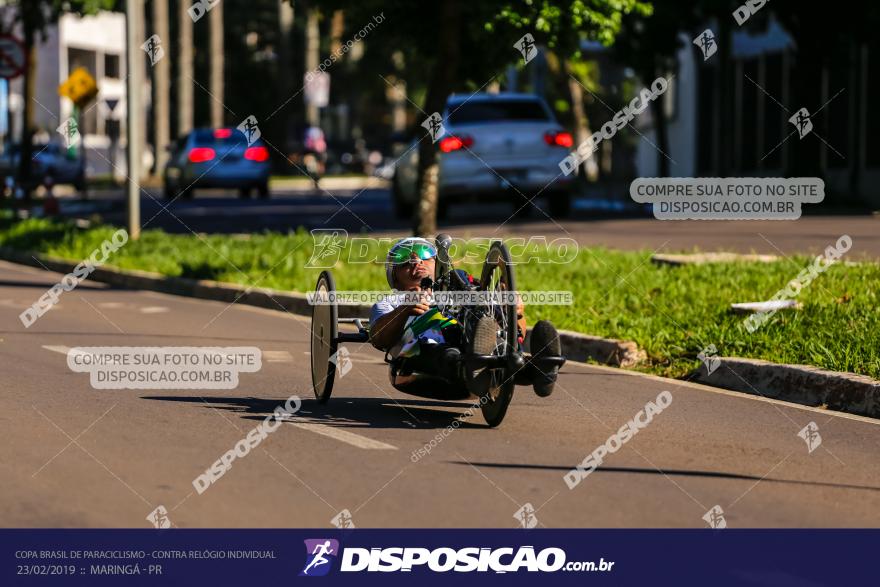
(161, 81)
(396, 94)
(659, 114)
(441, 84)
(27, 120)
(184, 71)
(723, 122)
(589, 169)
(285, 71)
(217, 65)
(313, 48)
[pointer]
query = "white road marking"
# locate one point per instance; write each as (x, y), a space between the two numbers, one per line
(20, 304)
(153, 310)
(57, 348)
(111, 305)
(277, 356)
(345, 436)
(356, 360)
(339, 434)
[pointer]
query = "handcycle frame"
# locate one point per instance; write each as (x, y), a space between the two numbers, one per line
(500, 367)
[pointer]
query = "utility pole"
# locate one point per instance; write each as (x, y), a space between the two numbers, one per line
(184, 70)
(161, 75)
(217, 64)
(134, 10)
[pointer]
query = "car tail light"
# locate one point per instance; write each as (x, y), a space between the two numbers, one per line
(201, 154)
(256, 154)
(222, 133)
(558, 139)
(453, 143)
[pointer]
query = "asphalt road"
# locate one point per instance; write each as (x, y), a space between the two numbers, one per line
(593, 222)
(74, 456)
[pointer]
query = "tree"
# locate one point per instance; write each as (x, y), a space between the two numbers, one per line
(34, 17)
(648, 44)
(438, 35)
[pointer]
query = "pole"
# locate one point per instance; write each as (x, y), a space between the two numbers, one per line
(79, 151)
(134, 83)
(217, 64)
(313, 47)
(161, 80)
(184, 71)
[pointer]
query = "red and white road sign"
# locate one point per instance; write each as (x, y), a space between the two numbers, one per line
(12, 57)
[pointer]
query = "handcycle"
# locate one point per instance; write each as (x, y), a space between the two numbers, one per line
(488, 369)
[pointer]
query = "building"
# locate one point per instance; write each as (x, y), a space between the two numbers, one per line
(96, 43)
(737, 124)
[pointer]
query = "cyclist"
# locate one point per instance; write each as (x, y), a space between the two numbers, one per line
(435, 345)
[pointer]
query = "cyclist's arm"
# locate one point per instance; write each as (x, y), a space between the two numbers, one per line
(387, 329)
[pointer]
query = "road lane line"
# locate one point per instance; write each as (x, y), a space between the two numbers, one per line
(153, 310)
(277, 356)
(57, 348)
(339, 434)
(345, 436)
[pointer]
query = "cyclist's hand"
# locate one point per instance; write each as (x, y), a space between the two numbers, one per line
(419, 307)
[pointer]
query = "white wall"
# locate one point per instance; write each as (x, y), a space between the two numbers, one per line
(681, 128)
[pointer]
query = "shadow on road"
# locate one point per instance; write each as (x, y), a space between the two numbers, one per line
(47, 284)
(344, 412)
(671, 472)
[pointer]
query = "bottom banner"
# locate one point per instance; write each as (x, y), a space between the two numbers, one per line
(356, 556)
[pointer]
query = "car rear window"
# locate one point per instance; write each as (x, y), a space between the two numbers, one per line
(219, 137)
(497, 111)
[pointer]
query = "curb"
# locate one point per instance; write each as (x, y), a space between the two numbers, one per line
(801, 384)
(607, 351)
(707, 258)
(272, 299)
(576, 346)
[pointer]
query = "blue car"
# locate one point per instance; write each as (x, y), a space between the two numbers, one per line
(217, 158)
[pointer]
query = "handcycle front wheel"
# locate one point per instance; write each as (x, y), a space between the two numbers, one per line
(324, 334)
(498, 276)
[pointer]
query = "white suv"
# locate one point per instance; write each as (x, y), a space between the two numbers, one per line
(499, 146)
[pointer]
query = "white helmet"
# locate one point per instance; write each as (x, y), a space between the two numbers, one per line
(422, 247)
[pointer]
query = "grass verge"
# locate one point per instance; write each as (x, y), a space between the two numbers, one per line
(671, 312)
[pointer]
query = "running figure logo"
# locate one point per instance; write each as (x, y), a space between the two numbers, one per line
(320, 553)
(715, 518)
(706, 42)
(801, 121)
(343, 520)
(153, 48)
(707, 356)
(526, 46)
(434, 125)
(159, 518)
(526, 516)
(70, 131)
(328, 245)
(810, 434)
(250, 129)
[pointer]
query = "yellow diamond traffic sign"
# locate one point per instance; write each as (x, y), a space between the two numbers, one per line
(80, 87)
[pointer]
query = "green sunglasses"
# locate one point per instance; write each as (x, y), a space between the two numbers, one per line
(420, 250)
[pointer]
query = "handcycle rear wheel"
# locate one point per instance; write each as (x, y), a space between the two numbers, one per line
(498, 276)
(324, 336)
